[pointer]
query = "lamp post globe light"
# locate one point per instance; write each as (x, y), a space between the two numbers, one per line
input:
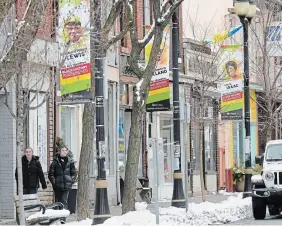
(246, 10)
(252, 9)
(241, 7)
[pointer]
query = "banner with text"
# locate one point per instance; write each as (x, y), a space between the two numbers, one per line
(232, 101)
(74, 42)
(159, 94)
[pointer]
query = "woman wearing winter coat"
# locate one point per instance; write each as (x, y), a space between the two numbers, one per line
(32, 173)
(62, 174)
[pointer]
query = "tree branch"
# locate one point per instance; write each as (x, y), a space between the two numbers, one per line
(23, 39)
(120, 36)
(37, 91)
(47, 94)
(7, 104)
(113, 15)
(164, 5)
(5, 5)
(164, 20)
(157, 10)
(130, 18)
(40, 104)
(148, 36)
(136, 49)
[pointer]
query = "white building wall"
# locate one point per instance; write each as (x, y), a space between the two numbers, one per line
(7, 156)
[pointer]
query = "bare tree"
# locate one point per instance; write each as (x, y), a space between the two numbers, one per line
(14, 56)
(203, 64)
(110, 12)
(162, 14)
(265, 62)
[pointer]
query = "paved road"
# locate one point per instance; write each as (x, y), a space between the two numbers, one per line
(269, 220)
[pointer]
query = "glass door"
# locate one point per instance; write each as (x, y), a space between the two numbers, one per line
(166, 133)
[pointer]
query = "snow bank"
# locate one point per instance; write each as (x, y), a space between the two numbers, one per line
(233, 209)
(84, 222)
(224, 192)
(139, 217)
(50, 214)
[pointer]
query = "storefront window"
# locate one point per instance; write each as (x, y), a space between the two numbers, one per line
(210, 147)
(208, 139)
(68, 130)
(124, 98)
(166, 133)
(66, 125)
(238, 143)
(121, 136)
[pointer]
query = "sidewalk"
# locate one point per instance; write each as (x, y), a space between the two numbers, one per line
(116, 210)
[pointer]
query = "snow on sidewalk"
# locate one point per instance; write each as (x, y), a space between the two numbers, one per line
(232, 209)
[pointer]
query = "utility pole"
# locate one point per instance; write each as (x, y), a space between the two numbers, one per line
(178, 197)
(102, 210)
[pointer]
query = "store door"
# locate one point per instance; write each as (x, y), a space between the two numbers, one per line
(166, 133)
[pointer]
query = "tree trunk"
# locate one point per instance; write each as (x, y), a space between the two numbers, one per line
(87, 145)
(19, 148)
(202, 181)
(131, 170)
(276, 127)
(269, 134)
(85, 162)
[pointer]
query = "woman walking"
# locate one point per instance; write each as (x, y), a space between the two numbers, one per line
(32, 173)
(62, 174)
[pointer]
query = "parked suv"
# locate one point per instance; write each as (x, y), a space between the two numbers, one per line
(267, 187)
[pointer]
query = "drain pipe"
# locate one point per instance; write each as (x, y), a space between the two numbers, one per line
(117, 144)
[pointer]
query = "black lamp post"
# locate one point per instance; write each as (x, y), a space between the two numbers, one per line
(101, 210)
(178, 197)
(246, 10)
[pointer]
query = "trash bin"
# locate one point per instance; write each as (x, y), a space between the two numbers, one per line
(72, 199)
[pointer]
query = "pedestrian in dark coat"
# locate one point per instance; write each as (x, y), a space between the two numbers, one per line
(62, 174)
(32, 173)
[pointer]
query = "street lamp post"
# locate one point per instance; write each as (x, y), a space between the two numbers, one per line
(178, 197)
(246, 10)
(101, 210)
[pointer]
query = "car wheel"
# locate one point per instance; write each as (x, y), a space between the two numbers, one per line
(273, 210)
(259, 208)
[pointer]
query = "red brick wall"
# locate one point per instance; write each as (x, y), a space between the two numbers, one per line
(20, 9)
(46, 27)
(139, 18)
(138, 10)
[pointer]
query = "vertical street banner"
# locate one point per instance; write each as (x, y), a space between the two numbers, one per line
(159, 93)
(232, 101)
(74, 47)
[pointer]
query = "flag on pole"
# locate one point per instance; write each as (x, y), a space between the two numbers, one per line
(221, 36)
